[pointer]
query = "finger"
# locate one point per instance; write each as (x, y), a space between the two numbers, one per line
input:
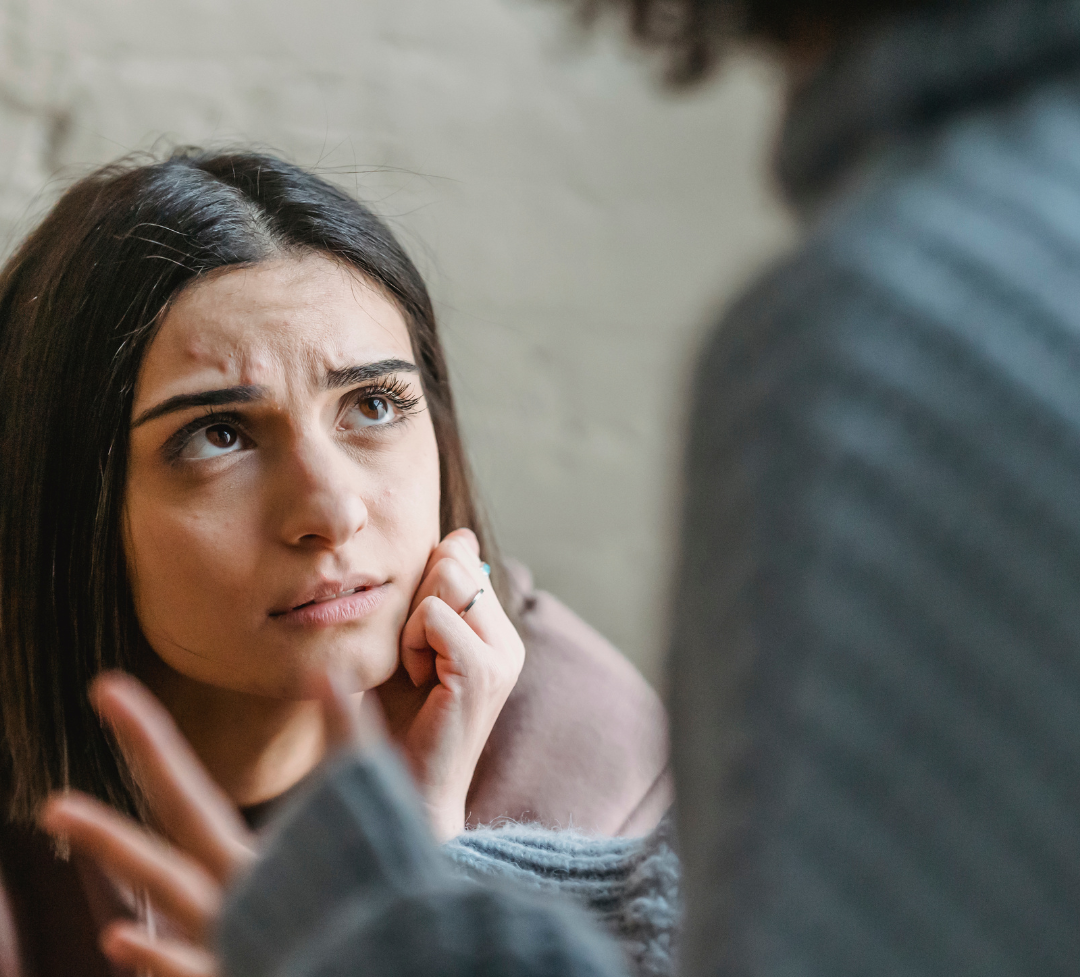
(468, 537)
(436, 627)
(339, 708)
(351, 720)
(371, 723)
(185, 891)
(419, 663)
(191, 809)
(461, 651)
(130, 947)
(450, 582)
(483, 615)
(459, 587)
(462, 537)
(461, 547)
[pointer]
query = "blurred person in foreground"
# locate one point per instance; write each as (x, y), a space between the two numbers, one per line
(875, 656)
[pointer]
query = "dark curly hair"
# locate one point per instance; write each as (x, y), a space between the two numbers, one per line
(693, 35)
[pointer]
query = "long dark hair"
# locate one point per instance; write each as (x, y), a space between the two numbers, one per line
(80, 302)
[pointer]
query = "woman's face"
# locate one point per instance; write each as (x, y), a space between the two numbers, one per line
(281, 454)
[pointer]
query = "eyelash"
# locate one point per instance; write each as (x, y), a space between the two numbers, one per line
(394, 390)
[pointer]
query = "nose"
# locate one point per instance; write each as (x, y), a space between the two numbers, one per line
(321, 500)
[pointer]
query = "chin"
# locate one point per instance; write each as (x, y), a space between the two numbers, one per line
(281, 671)
(369, 663)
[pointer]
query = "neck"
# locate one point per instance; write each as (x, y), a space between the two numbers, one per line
(254, 747)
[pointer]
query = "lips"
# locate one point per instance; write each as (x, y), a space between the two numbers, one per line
(323, 600)
(324, 591)
(334, 607)
(346, 607)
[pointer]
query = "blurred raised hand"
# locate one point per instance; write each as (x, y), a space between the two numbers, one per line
(201, 843)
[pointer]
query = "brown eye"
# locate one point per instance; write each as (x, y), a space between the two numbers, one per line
(213, 441)
(375, 408)
(370, 409)
(221, 436)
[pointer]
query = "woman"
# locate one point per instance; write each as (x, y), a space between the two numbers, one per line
(231, 459)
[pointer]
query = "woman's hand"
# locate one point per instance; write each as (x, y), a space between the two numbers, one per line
(185, 880)
(466, 665)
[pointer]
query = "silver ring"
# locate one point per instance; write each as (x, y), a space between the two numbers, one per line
(468, 606)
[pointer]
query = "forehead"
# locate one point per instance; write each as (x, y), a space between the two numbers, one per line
(282, 322)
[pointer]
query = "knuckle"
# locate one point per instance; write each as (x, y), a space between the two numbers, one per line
(444, 565)
(450, 571)
(464, 536)
(439, 553)
(429, 603)
(459, 553)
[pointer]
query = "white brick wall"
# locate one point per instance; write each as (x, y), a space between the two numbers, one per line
(577, 227)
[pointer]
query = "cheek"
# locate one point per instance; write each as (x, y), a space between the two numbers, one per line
(184, 563)
(406, 506)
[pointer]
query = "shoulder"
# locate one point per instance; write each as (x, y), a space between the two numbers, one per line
(582, 741)
(938, 288)
(963, 238)
(979, 219)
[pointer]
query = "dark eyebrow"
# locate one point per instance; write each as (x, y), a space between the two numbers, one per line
(344, 377)
(207, 398)
(349, 375)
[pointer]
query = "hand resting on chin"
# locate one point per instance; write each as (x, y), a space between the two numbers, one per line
(456, 675)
